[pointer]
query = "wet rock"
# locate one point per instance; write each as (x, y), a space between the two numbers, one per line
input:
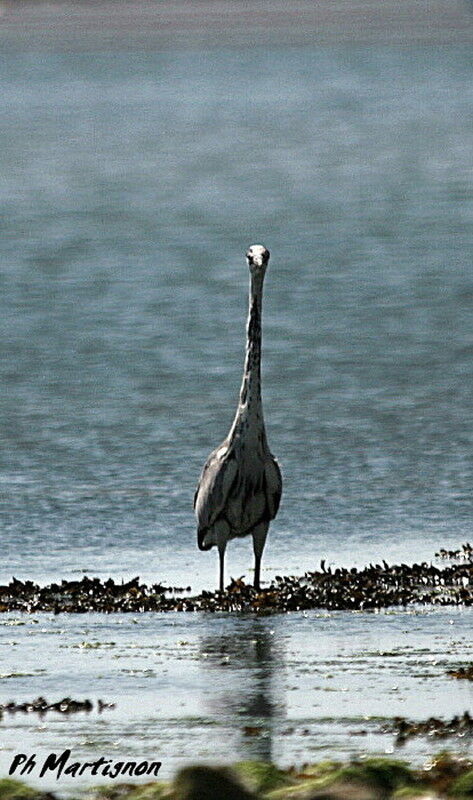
(208, 783)
(341, 791)
(312, 790)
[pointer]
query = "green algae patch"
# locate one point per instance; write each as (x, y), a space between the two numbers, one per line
(382, 774)
(301, 784)
(463, 786)
(260, 777)
(154, 790)
(370, 779)
(16, 790)
(149, 791)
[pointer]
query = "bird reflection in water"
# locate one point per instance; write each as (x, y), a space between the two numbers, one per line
(247, 695)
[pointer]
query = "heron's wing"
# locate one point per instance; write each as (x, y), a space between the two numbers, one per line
(214, 486)
(273, 485)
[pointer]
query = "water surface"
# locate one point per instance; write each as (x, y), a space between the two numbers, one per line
(131, 185)
(221, 688)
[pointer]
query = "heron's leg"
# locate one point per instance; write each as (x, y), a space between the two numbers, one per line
(259, 538)
(222, 534)
(221, 553)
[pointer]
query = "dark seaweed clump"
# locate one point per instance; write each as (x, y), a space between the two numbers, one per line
(463, 673)
(465, 552)
(373, 587)
(434, 726)
(65, 706)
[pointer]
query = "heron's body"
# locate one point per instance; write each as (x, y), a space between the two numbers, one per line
(240, 486)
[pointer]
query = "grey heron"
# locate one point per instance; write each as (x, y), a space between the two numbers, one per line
(240, 485)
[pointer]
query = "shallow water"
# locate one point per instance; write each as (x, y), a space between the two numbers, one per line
(314, 685)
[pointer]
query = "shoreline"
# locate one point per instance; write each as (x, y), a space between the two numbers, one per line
(192, 688)
(369, 778)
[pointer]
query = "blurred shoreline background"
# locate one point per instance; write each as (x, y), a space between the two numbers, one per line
(161, 23)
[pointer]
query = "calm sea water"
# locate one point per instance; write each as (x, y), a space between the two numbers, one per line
(131, 185)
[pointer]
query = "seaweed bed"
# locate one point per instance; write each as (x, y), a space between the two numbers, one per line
(373, 587)
(462, 673)
(65, 706)
(445, 776)
(433, 727)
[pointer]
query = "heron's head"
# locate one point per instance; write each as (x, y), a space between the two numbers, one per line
(257, 257)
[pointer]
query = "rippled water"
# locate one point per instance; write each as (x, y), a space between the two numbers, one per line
(131, 184)
(189, 686)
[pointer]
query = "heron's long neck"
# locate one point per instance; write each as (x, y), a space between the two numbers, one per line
(250, 392)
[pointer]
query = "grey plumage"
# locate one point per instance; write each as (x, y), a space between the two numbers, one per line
(240, 486)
